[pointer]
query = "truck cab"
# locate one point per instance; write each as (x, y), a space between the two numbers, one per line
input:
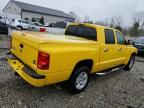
(113, 46)
(43, 58)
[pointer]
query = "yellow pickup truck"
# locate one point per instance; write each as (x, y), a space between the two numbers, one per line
(43, 59)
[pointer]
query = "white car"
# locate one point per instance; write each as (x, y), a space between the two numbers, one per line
(2, 19)
(35, 26)
(20, 24)
(43, 28)
(37, 23)
(55, 30)
(5, 19)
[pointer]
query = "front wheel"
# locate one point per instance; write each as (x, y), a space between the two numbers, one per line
(130, 64)
(19, 28)
(79, 79)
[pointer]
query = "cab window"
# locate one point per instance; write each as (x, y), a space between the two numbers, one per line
(120, 38)
(109, 36)
(82, 31)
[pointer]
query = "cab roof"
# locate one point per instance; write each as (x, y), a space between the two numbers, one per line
(92, 25)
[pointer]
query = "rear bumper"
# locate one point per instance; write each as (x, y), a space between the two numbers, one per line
(25, 72)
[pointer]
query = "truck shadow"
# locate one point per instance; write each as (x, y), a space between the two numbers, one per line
(17, 89)
(140, 58)
(106, 77)
(19, 85)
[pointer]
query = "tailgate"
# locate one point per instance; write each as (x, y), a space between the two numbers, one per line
(25, 50)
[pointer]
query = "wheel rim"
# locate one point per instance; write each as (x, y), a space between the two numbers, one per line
(81, 80)
(131, 62)
(19, 28)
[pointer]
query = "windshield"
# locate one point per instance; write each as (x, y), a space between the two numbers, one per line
(82, 31)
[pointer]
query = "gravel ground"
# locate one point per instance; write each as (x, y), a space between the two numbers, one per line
(116, 90)
(4, 42)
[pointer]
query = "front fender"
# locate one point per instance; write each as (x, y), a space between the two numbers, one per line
(130, 51)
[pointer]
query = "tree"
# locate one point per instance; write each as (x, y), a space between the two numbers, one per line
(42, 20)
(112, 22)
(116, 22)
(134, 31)
(119, 28)
(75, 16)
(33, 19)
(104, 22)
(87, 19)
(138, 23)
(100, 23)
(125, 31)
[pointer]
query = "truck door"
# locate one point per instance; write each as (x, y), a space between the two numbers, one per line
(121, 47)
(108, 51)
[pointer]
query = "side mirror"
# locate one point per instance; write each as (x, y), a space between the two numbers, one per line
(130, 42)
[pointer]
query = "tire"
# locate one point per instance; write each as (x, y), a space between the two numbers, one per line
(130, 64)
(19, 28)
(79, 79)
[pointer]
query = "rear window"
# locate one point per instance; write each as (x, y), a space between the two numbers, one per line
(82, 31)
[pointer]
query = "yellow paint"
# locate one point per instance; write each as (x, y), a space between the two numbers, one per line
(65, 52)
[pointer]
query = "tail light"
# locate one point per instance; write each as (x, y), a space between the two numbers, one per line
(43, 61)
(42, 29)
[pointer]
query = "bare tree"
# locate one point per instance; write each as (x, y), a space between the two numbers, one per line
(106, 22)
(112, 23)
(75, 16)
(102, 23)
(116, 21)
(138, 24)
(87, 19)
(138, 16)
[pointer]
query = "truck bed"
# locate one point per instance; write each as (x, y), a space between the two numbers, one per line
(26, 45)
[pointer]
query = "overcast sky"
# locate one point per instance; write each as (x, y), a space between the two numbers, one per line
(96, 9)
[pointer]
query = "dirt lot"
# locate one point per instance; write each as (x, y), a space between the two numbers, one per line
(116, 90)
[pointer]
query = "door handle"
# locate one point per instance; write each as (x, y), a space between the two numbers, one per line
(106, 50)
(21, 45)
(119, 49)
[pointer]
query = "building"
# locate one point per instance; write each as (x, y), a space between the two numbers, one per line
(29, 11)
(6, 18)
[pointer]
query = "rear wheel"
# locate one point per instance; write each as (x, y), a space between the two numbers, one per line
(130, 64)
(79, 79)
(19, 28)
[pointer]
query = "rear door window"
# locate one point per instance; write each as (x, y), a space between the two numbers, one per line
(109, 36)
(82, 31)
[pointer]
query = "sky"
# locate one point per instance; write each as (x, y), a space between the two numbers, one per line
(97, 10)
